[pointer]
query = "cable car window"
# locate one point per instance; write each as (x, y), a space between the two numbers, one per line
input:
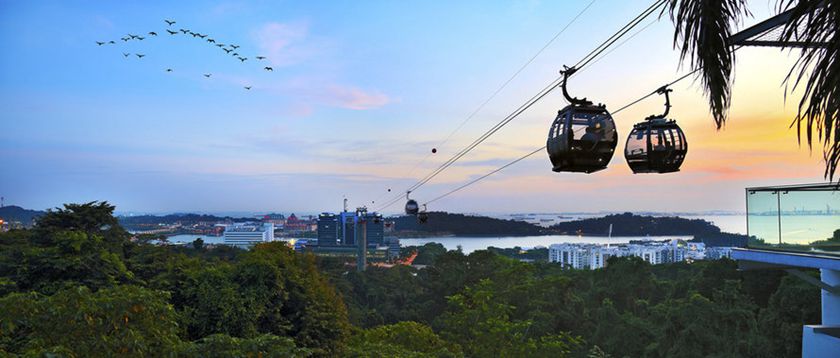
(637, 143)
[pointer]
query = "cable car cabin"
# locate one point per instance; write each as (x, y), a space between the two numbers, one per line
(656, 145)
(581, 139)
(422, 217)
(411, 207)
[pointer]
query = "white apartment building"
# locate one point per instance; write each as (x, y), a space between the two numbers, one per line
(594, 256)
(569, 255)
(248, 234)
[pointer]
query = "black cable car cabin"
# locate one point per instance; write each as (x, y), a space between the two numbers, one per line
(422, 217)
(583, 136)
(411, 207)
(581, 139)
(656, 145)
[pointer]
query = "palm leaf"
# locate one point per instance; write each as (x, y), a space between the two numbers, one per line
(814, 24)
(702, 32)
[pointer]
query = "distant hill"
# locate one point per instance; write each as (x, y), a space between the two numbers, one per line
(464, 225)
(17, 213)
(628, 224)
(133, 222)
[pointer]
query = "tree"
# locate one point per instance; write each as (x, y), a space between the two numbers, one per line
(48, 261)
(198, 244)
(223, 346)
(482, 325)
(76, 322)
(404, 339)
(795, 303)
(703, 31)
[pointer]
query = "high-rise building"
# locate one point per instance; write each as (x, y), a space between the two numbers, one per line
(341, 229)
(328, 229)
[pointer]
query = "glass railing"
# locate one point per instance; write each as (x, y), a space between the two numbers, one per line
(795, 218)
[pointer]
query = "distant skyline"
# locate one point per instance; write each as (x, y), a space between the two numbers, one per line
(360, 93)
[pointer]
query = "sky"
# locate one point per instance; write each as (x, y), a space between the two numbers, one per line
(360, 93)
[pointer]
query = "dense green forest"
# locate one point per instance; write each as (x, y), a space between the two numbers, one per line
(76, 285)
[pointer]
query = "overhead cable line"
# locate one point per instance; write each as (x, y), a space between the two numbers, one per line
(517, 160)
(545, 91)
(504, 85)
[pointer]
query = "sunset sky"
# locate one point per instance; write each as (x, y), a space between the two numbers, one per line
(359, 94)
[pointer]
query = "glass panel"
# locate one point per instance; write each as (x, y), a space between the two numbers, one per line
(637, 143)
(795, 219)
(678, 145)
(762, 217)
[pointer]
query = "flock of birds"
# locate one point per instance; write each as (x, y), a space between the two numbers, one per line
(229, 49)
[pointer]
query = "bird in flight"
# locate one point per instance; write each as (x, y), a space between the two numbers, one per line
(133, 36)
(169, 22)
(242, 59)
(211, 41)
(208, 75)
(234, 46)
(220, 45)
(140, 38)
(139, 55)
(111, 42)
(261, 57)
(200, 35)
(168, 70)
(172, 32)
(125, 38)
(184, 30)
(247, 87)
(100, 43)
(226, 50)
(152, 33)
(235, 54)
(126, 54)
(268, 68)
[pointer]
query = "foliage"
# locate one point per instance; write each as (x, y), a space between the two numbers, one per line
(220, 345)
(68, 247)
(125, 320)
(75, 285)
(403, 339)
(703, 30)
(484, 328)
(816, 22)
(254, 301)
(426, 254)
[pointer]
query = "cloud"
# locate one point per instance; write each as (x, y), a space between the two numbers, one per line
(354, 98)
(283, 43)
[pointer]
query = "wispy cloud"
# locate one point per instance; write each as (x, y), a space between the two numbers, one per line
(284, 43)
(354, 98)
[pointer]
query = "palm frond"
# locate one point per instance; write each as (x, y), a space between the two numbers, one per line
(702, 31)
(813, 23)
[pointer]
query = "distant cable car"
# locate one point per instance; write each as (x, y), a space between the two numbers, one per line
(423, 217)
(583, 136)
(656, 145)
(411, 207)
